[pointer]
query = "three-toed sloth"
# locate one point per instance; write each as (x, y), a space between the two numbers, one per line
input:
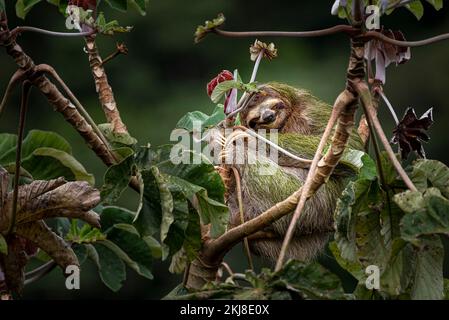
(300, 120)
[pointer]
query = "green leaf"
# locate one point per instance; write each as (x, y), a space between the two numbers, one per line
(117, 177)
(431, 217)
(34, 139)
(417, 8)
(355, 160)
(24, 6)
(359, 232)
(437, 4)
(110, 28)
(140, 6)
(49, 163)
(224, 87)
(209, 26)
(211, 211)
(399, 271)
(368, 170)
(117, 139)
(83, 234)
(110, 266)
(115, 215)
(195, 119)
(410, 201)
(353, 267)
(80, 251)
(428, 282)
(446, 289)
(167, 205)
(192, 182)
(120, 5)
(311, 281)
(7, 142)
(127, 238)
(129, 262)
(45, 155)
(431, 173)
(3, 245)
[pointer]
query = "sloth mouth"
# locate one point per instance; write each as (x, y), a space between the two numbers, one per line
(256, 123)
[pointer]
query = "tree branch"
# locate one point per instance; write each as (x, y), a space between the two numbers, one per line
(420, 43)
(242, 216)
(346, 29)
(366, 100)
(289, 34)
(18, 77)
(54, 96)
(104, 90)
(39, 272)
(52, 72)
(22, 29)
(23, 111)
(321, 170)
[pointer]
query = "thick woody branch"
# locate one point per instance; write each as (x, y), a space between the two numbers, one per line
(104, 90)
(49, 70)
(322, 169)
(55, 97)
(364, 130)
(285, 207)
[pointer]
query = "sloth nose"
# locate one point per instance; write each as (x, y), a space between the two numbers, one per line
(268, 116)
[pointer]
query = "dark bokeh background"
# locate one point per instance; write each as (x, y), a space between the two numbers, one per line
(165, 74)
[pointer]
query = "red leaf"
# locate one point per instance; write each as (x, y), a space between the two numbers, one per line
(85, 4)
(225, 75)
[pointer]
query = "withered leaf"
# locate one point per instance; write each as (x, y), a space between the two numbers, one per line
(411, 132)
(38, 233)
(37, 201)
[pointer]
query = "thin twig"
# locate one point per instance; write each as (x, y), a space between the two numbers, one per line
(40, 269)
(305, 163)
(21, 29)
(242, 217)
(241, 104)
(244, 99)
(120, 49)
(227, 268)
(420, 43)
(291, 34)
(352, 32)
(256, 67)
(387, 102)
(365, 98)
(16, 78)
(39, 273)
(23, 110)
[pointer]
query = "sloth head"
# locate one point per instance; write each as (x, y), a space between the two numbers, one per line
(282, 107)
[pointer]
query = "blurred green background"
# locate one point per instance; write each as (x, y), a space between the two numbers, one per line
(165, 75)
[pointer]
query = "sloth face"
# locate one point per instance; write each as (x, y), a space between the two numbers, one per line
(265, 110)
